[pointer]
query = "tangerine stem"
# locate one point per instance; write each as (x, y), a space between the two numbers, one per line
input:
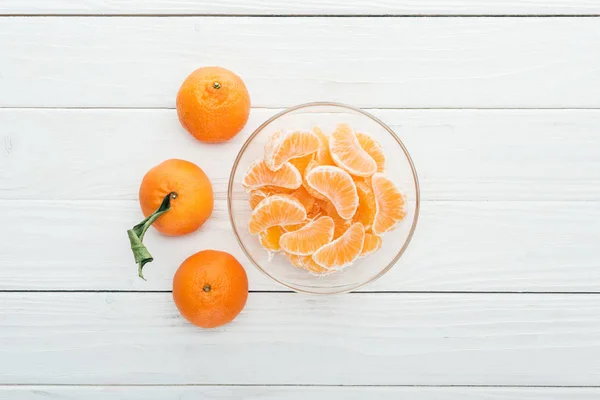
(136, 234)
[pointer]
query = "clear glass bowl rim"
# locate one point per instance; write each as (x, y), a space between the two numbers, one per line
(324, 104)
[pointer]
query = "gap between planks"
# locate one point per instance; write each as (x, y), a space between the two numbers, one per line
(317, 385)
(309, 15)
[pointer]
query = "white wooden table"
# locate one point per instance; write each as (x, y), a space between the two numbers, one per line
(498, 296)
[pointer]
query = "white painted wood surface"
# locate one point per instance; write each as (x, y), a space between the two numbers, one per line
(367, 62)
(499, 287)
(460, 154)
(479, 246)
(301, 7)
(292, 393)
(286, 338)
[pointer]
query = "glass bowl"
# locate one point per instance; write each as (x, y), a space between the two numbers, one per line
(399, 168)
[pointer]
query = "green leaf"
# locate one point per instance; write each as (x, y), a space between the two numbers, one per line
(136, 234)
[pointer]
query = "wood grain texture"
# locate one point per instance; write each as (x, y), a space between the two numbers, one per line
(368, 62)
(301, 7)
(358, 339)
(292, 393)
(459, 155)
(458, 246)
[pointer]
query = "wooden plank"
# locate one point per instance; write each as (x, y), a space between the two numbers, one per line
(293, 393)
(458, 246)
(459, 155)
(301, 7)
(358, 339)
(368, 62)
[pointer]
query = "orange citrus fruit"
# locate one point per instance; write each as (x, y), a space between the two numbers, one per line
(306, 240)
(259, 176)
(348, 154)
(337, 186)
(213, 104)
(279, 209)
(373, 148)
(283, 146)
(191, 199)
(371, 245)
(365, 213)
(323, 157)
(210, 288)
(269, 238)
(342, 251)
(307, 263)
(390, 204)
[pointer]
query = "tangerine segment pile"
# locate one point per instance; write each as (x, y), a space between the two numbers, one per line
(323, 201)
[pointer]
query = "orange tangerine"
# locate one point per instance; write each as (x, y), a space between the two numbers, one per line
(323, 157)
(260, 176)
(269, 238)
(348, 154)
(306, 240)
(337, 186)
(373, 148)
(371, 245)
(390, 204)
(279, 209)
(283, 146)
(365, 213)
(342, 251)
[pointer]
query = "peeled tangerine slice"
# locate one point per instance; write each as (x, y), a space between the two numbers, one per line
(308, 239)
(259, 175)
(282, 147)
(390, 204)
(343, 250)
(256, 196)
(371, 245)
(373, 148)
(365, 214)
(312, 165)
(337, 186)
(348, 154)
(302, 162)
(279, 209)
(307, 263)
(269, 239)
(323, 157)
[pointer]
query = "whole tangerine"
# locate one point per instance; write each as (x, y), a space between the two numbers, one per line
(191, 196)
(213, 104)
(210, 288)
